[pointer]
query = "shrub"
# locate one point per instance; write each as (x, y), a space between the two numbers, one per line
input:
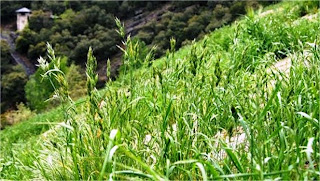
(161, 40)
(145, 36)
(180, 17)
(226, 18)
(76, 81)
(15, 116)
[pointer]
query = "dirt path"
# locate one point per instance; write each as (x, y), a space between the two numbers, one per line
(134, 24)
(28, 67)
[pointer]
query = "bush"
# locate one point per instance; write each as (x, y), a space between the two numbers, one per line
(159, 27)
(176, 30)
(150, 26)
(76, 81)
(180, 17)
(38, 90)
(145, 36)
(15, 116)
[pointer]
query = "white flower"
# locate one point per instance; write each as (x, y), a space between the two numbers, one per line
(49, 160)
(147, 139)
(174, 127)
(43, 64)
(113, 134)
(102, 104)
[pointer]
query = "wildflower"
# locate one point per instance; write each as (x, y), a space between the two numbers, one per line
(147, 139)
(49, 160)
(174, 128)
(113, 133)
(43, 64)
(102, 104)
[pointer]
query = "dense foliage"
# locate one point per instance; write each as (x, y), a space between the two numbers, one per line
(12, 87)
(13, 79)
(218, 109)
(76, 27)
(6, 59)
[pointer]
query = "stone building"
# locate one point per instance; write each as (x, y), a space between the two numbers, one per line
(22, 17)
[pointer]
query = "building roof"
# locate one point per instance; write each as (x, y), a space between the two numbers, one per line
(23, 10)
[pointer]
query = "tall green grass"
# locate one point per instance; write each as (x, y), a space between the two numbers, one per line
(163, 121)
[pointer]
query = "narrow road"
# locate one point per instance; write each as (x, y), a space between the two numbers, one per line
(28, 67)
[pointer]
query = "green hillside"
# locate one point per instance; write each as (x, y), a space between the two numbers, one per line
(72, 27)
(242, 103)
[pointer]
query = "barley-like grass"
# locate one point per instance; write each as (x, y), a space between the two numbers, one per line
(216, 109)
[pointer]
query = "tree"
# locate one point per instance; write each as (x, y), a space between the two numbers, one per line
(219, 11)
(26, 38)
(6, 59)
(36, 51)
(193, 30)
(12, 87)
(39, 20)
(238, 8)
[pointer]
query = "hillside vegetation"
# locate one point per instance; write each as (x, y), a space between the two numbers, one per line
(215, 109)
(76, 26)
(72, 27)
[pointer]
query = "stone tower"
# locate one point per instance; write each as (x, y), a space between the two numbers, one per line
(22, 17)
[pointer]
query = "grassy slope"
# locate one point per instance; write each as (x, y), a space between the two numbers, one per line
(26, 133)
